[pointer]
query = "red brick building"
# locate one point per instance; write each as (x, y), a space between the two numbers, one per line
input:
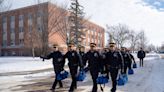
(18, 26)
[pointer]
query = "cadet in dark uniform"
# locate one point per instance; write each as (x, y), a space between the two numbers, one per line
(113, 63)
(82, 51)
(58, 64)
(73, 63)
(130, 59)
(93, 59)
(127, 59)
(141, 55)
(103, 58)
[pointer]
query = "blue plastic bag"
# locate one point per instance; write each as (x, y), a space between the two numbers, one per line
(120, 81)
(130, 71)
(62, 75)
(81, 76)
(102, 79)
(134, 65)
(125, 78)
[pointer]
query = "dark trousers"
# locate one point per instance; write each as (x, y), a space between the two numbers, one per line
(127, 66)
(57, 71)
(141, 62)
(114, 73)
(94, 75)
(73, 71)
(56, 82)
(130, 65)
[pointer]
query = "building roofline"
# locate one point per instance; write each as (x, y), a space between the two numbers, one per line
(51, 4)
(33, 5)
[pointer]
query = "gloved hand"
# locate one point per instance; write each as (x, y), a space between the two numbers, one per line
(42, 58)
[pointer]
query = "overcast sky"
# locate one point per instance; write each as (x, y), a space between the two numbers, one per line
(139, 15)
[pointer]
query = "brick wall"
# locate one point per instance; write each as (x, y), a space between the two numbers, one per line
(58, 35)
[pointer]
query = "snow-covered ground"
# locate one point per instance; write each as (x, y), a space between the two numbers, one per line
(15, 70)
(17, 64)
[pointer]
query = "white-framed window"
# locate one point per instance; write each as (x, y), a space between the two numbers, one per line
(4, 43)
(4, 25)
(20, 17)
(21, 29)
(12, 24)
(4, 19)
(12, 42)
(21, 42)
(30, 19)
(12, 30)
(21, 21)
(39, 28)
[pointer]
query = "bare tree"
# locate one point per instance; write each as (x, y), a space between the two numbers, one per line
(133, 39)
(151, 47)
(162, 48)
(32, 40)
(142, 42)
(5, 5)
(120, 33)
(47, 23)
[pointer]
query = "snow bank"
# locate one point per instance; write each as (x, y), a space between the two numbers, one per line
(17, 64)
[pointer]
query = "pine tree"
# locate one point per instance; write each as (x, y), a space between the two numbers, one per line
(76, 18)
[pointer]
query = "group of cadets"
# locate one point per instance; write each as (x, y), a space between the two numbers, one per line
(110, 61)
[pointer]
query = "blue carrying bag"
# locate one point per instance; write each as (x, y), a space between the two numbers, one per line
(120, 81)
(130, 71)
(134, 65)
(81, 76)
(125, 78)
(102, 79)
(62, 75)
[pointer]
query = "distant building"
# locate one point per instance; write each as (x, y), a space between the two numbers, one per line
(18, 26)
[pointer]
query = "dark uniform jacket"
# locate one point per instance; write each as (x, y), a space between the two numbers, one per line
(93, 58)
(73, 58)
(141, 54)
(58, 61)
(81, 53)
(113, 59)
(126, 57)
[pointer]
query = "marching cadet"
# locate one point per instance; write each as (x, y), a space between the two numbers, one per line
(113, 63)
(82, 51)
(82, 54)
(130, 59)
(58, 64)
(127, 59)
(93, 58)
(103, 58)
(73, 63)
